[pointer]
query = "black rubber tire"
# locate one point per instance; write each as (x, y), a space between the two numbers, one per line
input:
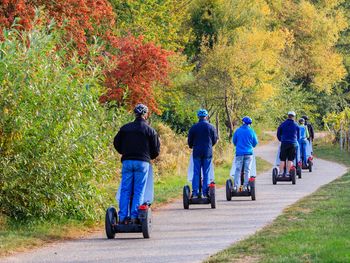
(293, 176)
(229, 187)
(146, 224)
(310, 166)
(274, 175)
(299, 171)
(252, 192)
(212, 197)
(110, 221)
(186, 197)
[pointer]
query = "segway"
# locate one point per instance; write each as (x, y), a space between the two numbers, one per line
(309, 162)
(188, 200)
(291, 177)
(230, 192)
(144, 224)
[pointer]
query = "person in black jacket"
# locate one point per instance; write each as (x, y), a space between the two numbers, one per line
(138, 143)
(201, 138)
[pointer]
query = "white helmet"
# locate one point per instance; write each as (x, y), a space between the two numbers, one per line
(291, 113)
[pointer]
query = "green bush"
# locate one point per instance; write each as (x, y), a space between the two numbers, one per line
(52, 129)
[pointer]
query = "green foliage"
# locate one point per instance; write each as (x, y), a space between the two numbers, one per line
(289, 97)
(51, 128)
(162, 22)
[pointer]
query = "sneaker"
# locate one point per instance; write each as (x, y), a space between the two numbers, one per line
(245, 188)
(194, 196)
(235, 188)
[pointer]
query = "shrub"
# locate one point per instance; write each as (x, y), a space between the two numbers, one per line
(51, 128)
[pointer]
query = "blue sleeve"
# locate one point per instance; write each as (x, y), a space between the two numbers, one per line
(298, 132)
(214, 136)
(234, 139)
(190, 138)
(279, 132)
(255, 138)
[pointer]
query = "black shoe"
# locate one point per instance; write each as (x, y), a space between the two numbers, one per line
(135, 221)
(124, 222)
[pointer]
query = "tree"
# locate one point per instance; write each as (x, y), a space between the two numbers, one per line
(240, 76)
(312, 59)
(138, 66)
(162, 22)
(82, 19)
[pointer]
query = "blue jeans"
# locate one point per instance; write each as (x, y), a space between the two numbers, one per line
(302, 144)
(134, 179)
(247, 160)
(200, 164)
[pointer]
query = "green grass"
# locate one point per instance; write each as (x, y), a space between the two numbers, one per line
(16, 236)
(315, 229)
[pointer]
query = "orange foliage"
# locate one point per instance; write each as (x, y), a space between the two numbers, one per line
(139, 66)
(80, 18)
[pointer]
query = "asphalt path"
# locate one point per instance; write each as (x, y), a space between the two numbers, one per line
(192, 235)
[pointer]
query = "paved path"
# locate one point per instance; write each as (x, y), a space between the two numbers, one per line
(192, 235)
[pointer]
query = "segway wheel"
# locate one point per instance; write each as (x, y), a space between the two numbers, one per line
(186, 197)
(111, 220)
(274, 175)
(310, 166)
(146, 224)
(212, 197)
(252, 192)
(292, 175)
(299, 172)
(229, 187)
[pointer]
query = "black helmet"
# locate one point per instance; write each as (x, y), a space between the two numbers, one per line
(141, 109)
(301, 120)
(305, 117)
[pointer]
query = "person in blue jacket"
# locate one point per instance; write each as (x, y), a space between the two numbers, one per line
(201, 138)
(288, 133)
(245, 140)
(304, 136)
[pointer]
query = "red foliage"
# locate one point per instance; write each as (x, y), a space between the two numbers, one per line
(10, 9)
(139, 66)
(81, 18)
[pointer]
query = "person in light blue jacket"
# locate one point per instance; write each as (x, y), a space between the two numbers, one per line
(245, 140)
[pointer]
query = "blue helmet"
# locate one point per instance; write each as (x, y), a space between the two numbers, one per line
(141, 109)
(202, 113)
(247, 120)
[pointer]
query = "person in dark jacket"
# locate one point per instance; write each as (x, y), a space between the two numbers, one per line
(201, 138)
(138, 143)
(288, 134)
(245, 140)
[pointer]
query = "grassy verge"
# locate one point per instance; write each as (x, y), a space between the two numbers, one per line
(315, 229)
(16, 237)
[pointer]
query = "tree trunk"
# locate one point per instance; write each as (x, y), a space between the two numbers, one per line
(230, 126)
(217, 124)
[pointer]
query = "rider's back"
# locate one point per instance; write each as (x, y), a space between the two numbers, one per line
(288, 132)
(137, 141)
(202, 136)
